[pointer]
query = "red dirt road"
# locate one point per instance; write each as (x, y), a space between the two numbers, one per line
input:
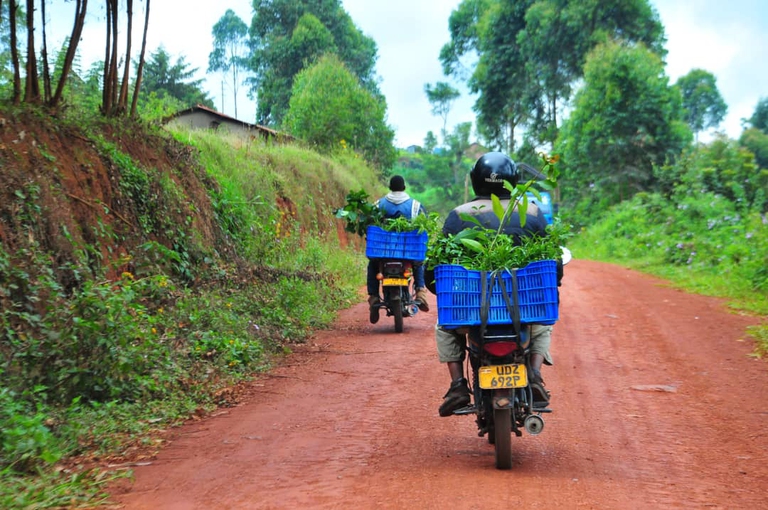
(656, 405)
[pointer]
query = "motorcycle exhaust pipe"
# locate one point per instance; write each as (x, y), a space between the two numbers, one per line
(534, 424)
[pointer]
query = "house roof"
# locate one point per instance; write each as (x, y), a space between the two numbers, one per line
(202, 108)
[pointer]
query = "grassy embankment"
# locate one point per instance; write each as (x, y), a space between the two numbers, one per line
(115, 330)
(702, 244)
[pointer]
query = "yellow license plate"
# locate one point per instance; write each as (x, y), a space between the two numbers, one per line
(395, 281)
(503, 376)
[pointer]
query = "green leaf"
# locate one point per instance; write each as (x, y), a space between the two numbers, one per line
(473, 245)
(547, 185)
(498, 209)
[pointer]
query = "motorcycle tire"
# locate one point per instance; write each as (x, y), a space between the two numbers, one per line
(397, 311)
(502, 430)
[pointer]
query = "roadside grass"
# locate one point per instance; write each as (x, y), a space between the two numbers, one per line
(95, 370)
(703, 246)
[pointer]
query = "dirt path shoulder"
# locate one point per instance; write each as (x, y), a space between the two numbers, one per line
(657, 404)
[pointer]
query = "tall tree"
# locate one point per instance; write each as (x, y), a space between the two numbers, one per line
(122, 99)
(704, 106)
(755, 138)
(530, 52)
(284, 41)
(31, 85)
(109, 92)
(46, 67)
(140, 68)
(229, 53)
(172, 79)
(328, 105)
(458, 142)
(81, 7)
(441, 96)
(13, 11)
(626, 120)
(759, 118)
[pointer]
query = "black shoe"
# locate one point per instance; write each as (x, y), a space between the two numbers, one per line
(540, 393)
(421, 299)
(456, 397)
(373, 303)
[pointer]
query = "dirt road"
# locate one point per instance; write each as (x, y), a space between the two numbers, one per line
(656, 405)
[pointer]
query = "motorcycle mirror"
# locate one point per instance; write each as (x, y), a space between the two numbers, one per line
(566, 255)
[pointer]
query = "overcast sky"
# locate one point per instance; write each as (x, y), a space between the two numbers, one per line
(726, 38)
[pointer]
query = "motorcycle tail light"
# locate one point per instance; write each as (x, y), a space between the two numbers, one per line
(379, 276)
(500, 349)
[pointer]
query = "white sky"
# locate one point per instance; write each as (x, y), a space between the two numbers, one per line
(728, 39)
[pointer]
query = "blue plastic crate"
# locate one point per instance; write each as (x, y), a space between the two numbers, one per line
(380, 244)
(459, 294)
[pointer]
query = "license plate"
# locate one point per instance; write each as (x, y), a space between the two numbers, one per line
(395, 281)
(503, 376)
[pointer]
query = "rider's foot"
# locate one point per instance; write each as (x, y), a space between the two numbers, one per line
(373, 303)
(540, 393)
(421, 299)
(456, 398)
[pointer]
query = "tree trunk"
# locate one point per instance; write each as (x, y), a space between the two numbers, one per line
(14, 52)
(110, 61)
(234, 81)
(31, 87)
(113, 62)
(74, 39)
(122, 103)
(140, 70)
(105, 92)
(46, 64)
(553, 136)
(512, 125)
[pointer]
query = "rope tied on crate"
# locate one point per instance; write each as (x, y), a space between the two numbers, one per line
(487, 283)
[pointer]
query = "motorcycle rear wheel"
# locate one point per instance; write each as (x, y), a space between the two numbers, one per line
(397, 311)
(502, 430)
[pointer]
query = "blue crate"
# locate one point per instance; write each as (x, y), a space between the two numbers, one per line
(380, 244)
(459, 294)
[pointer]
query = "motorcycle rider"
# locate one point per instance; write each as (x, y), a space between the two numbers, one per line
(394, 204)
(487, 176)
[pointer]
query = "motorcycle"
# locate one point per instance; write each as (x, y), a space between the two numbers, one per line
(499, 359)
(396, 280)
(503, 399)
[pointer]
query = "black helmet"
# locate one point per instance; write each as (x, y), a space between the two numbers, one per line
(490, 172)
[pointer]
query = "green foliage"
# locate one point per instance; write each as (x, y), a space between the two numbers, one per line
(704, 106)
(759, 119)
(229, 49)
(99, 350)
(171, 79)
(700, 240)
(328, 105)
(480, 248)
(26, 443)
(721, 167)
(625, 121)
(757, 142)
(531, 52)
(288, 36)
(57, 489)
(359, 214)
(441, 95)
(486, 250)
